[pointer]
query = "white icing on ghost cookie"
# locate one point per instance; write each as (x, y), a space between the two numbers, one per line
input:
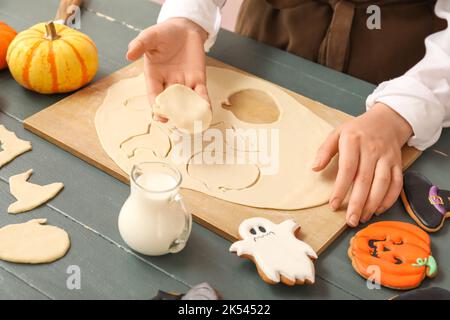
(277, 253)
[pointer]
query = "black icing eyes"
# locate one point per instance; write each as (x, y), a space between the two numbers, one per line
(256, 230)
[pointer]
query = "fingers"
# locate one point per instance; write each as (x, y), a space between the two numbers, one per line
(146, 41)
(135, 49)
(380, 186)
(202, 91)
(174, 78)
(348, 165)
(394, 189)
(327, 151)
(197, 82)
(361, 188)
(155, 85)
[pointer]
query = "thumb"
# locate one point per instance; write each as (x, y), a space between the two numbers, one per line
(202, 91)
(327, 151)
(146, 41)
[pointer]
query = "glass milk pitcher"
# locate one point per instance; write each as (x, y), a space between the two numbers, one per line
(153, 220)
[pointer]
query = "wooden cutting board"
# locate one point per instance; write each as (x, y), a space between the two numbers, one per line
(69, 124)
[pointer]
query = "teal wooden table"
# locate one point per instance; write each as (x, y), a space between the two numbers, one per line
(89, 205)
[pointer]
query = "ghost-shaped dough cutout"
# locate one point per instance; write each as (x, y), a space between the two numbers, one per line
(11, 146)
(33, 242)
(30, 195)
(279, 256)
(184, 108)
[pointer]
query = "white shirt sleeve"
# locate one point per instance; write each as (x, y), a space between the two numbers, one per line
(422, 95)
(205, 13)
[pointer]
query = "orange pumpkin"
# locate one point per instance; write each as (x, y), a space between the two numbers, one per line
(401, 252)
(52, 58)
(7, 35)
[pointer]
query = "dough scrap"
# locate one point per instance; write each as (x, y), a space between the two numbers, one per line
(30, 195)
(298, 130)
(11, 145)
(33, 242)
(183, 106)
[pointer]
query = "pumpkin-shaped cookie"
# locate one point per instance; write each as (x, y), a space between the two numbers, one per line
(7, 35)
(52, 58)
(401, 252)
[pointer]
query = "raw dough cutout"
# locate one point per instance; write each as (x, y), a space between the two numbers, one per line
(11, 146)
(237, 140)
(183, 106)
(30, 195)
(33, 242)
(156, 140)
(292, 141)
(222, 176)
(252, 106)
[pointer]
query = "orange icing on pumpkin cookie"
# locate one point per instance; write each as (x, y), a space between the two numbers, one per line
(400, 250)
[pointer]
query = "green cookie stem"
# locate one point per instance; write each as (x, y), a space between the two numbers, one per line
(430, 263)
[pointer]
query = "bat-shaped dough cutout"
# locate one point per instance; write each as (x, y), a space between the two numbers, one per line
(30, 195)
(279, 256)
(11, 145)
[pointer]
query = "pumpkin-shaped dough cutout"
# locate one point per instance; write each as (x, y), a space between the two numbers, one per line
(33, 242)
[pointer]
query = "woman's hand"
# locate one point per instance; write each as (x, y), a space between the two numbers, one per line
(173, 53)
(370, 162)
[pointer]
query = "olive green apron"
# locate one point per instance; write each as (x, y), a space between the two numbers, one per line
(334, 33)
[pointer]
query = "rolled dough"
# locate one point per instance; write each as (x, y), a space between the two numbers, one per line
(298, 131)
(155, 140)
(11, 145)
(30, 195)
(222, 176)
(33, 242)
(183, 106)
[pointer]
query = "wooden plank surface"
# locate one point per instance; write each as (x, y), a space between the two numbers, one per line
(73, 117)
(14, 288)
(93, 198)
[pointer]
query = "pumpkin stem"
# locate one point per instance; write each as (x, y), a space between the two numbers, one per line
(431, 267)
(50, 31)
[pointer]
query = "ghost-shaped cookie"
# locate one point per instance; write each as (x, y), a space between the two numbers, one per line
(279, 256)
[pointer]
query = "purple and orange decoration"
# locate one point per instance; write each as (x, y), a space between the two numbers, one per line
(425, 203)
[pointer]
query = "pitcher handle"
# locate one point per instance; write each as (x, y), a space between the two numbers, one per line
(179, 243)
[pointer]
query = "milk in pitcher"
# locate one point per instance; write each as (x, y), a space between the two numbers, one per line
(153, 220)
